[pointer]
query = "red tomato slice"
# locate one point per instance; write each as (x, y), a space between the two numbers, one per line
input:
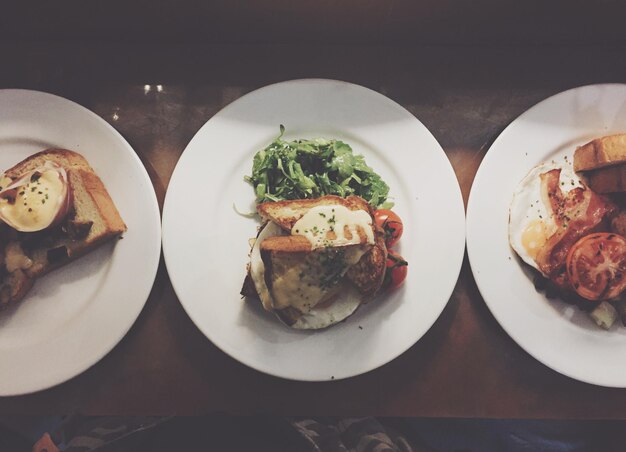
(391, 223)
(596, 266)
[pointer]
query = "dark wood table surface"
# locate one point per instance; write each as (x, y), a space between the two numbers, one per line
(465, 366)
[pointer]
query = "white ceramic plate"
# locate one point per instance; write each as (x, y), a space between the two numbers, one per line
(557, 334)
(75, 315)
(205, 242)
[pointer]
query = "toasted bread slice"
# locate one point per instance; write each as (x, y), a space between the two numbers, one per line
(287, 213)
(299, 277)
(601, 152)
(610, 179)
(92, 220)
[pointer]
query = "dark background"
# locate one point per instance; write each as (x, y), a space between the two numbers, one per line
(421, 22)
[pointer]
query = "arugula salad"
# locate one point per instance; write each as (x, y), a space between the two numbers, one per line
(302, 169)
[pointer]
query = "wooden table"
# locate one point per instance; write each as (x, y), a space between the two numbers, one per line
(465, 366)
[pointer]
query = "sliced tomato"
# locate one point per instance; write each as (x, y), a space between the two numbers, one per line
(396, 270)
(391, 223)
(596, 266)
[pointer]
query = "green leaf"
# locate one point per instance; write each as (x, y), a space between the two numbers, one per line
(311, 168)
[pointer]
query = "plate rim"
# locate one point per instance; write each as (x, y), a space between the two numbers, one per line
(471, 244)
(152, 267)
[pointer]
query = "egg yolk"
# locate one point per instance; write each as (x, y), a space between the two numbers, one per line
(534, 237)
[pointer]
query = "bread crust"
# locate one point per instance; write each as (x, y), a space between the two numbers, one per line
(64, 157)
(604, 151)
(92, 208)
(101, 198)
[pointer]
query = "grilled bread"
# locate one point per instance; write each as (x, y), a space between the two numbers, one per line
(91, 220)
(602, 162)
(610, 179)
(286, 213)
(601, 152)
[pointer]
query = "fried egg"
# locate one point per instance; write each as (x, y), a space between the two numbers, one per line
(531, 222)
(317, 317)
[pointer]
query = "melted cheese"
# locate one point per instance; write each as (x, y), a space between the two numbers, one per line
(303, 282)
(334, 225)
(37, 200)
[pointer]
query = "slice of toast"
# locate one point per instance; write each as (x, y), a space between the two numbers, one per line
(287, 213)
(92, 220)
(610, 179)
(601, 152)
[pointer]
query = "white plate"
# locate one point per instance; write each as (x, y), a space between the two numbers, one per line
(75, 315)
(205, 242)
(557, 334)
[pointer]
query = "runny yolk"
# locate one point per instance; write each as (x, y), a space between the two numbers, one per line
(534, 237)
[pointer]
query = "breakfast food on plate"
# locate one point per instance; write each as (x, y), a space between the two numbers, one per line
(322, 250)
(572, 235)
(316, 260)
(53, 209)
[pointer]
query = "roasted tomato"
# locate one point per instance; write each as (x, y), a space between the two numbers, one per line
(391, 223)
(596, 266)
(396, 270)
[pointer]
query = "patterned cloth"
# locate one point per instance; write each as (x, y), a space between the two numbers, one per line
(99, 433)
(351, 435)
(122, 434)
